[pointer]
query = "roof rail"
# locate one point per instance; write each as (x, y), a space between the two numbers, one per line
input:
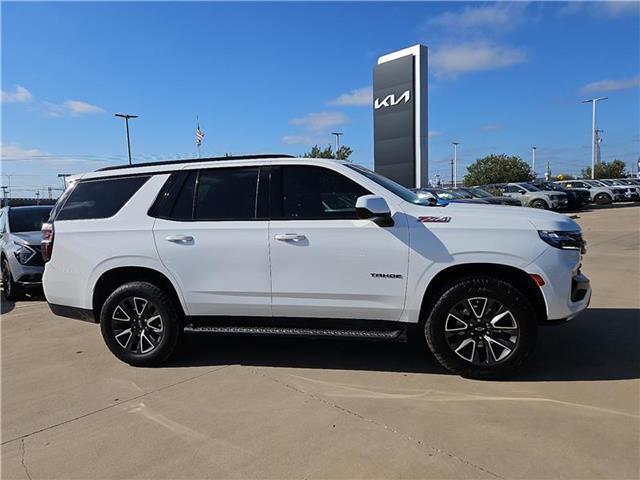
(196, 160)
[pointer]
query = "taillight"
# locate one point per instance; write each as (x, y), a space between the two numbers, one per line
(48, 234)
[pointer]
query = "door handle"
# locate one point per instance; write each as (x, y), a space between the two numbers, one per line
(290, 237)
(181, 239)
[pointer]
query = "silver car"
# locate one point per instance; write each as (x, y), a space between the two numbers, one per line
(22, 263)
(531, 196)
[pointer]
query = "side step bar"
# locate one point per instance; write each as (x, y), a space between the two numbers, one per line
(397, 335)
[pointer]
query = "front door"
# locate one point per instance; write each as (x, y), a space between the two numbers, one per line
(325, 262)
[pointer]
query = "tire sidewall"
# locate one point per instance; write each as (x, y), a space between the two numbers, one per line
(7, 281)
(170, 319)
(541, 204)
(481, 287)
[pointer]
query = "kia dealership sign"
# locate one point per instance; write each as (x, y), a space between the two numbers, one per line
(400, 116)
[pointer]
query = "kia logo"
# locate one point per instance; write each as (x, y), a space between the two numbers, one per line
(391, 100)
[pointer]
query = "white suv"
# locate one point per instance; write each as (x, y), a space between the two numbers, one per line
(294, 246)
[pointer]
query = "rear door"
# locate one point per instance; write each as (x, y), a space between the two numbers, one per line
(213, 237)
(325, 262)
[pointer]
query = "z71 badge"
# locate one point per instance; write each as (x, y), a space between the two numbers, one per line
(434, 219)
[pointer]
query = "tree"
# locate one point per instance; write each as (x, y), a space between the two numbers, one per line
(613, 169)
(343, 152)
(498, 169)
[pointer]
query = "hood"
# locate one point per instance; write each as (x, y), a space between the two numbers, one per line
(496, 216)
(30, 238)
(550, 192)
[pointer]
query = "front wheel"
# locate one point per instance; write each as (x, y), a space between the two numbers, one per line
(603, 199)
(140, 324)
(482, 328)
(539, 204)
(10, 288)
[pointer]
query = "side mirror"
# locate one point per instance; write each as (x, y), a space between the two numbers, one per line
(374, 208)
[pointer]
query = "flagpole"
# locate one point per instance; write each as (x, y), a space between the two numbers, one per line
(199, 144)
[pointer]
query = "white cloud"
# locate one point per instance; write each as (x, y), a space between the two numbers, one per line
(610, 9)
(502, 16)
(610, 85)
(358, 97)
(492, 127)
(316, 122)
(73, 108)
(452, 60)
(19, 95)
(434, 133)
(12, 152)
(316, 128)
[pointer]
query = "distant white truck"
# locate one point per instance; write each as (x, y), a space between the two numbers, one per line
(269, 245)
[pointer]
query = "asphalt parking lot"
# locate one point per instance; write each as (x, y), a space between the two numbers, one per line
(286, 408)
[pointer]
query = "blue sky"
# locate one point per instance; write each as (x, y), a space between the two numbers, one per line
(279, 77)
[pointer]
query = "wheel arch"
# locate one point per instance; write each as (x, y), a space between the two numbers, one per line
(111, 279)
(517, 277)
(540, 199)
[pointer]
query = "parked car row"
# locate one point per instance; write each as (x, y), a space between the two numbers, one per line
(571, 194)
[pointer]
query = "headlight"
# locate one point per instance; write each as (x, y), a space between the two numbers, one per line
(563, 240)
(24, 253)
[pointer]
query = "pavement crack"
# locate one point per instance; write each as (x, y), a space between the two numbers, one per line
(390, 428)
(93, 412)
(24, 465)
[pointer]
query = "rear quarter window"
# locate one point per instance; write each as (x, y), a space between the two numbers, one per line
(99, 198)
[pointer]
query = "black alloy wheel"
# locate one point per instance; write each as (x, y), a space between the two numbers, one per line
(140, 324)
(482, 331)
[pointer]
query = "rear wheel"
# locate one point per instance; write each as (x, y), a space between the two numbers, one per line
(10, 289)
(539, 204)
(140, 324)
(603, 199)
(481, 327)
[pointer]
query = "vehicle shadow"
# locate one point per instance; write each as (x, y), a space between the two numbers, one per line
(601, 344)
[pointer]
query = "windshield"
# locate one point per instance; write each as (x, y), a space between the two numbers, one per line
(449, 195)
(528, 187)
(608, 182)
(393, 187)
(28, 219)
(479, 193)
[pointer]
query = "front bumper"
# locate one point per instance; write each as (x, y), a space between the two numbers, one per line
(566, 291)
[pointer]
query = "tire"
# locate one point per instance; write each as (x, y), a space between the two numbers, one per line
(539, 204)
(10, 289)
(151, 318)
(603, 199)
(505, 351)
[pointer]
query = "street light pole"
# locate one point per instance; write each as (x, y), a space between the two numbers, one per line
(337, 135)
(454, 173)
(593, 132)
(533, 160)
(64, 176)
(126, 122)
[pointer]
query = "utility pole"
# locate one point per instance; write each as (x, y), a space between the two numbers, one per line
(37, 197)
(454, 166)
(49, 192)
(5, 195)
(337, 135)
(64, 176)
(126, 122)
(533, 161)
(593, 133)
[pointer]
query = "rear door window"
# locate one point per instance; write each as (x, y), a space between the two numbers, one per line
(99, 198)
(227, 194)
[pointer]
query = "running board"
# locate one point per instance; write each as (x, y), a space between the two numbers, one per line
(397, 335)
